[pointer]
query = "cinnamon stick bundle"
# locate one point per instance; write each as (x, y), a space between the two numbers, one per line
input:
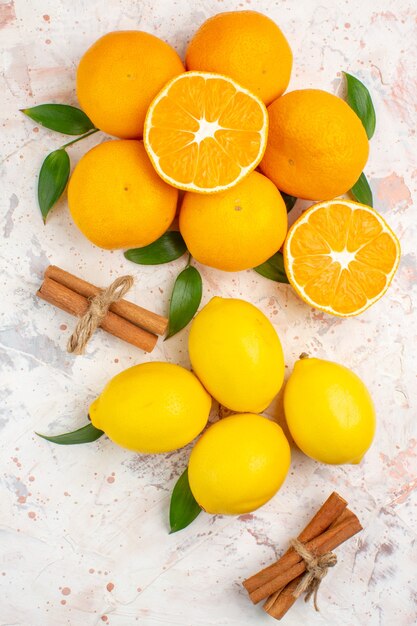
(134, 313)
(282, 600)
(124, 320)
(331, 526)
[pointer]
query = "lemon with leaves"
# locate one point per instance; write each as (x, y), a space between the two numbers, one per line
(152, 407)
(238, 464)
(329, 411)
(236, 353)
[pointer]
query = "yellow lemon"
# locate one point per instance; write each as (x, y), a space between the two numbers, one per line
(236, 353)
(329, 411)
(152, 407)
(238, 464)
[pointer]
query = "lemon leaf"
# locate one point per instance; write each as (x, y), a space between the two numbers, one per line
(359, 99)
(60, 117)
(184, 508)
(361, 191)
(82, 435)
(53, 179)
(289, 200)
(273, 268)
(165, 249)
(185, 299)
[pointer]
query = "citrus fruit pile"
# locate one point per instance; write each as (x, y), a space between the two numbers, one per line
(221, 129)
(204, 127)
(241, 461)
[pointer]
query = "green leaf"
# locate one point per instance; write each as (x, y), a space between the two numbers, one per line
(61, 117)
(359, 99)
(273, 268)
(185, 299)
(82, 435)
(289, 200)
(165, 249)
(361, 191)
(183, 508)
(53, 179)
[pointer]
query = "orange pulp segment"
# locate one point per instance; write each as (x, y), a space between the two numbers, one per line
(204, 132)
(341, 256)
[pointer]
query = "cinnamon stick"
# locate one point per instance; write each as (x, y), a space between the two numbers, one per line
(282, 600)
(328, 513)
(291, 563)
(64, 298)
(148, 320)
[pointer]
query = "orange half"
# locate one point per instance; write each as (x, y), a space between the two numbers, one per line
(204, 132)
(341, 256)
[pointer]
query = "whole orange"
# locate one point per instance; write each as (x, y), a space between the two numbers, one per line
(247, 46)
(119, 76)
(317, 146)
(235, 229)
(117, 199)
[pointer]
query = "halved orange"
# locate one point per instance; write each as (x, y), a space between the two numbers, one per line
(341, 256)
(204, 132)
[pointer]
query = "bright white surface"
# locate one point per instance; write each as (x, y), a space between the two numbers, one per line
(75, 519)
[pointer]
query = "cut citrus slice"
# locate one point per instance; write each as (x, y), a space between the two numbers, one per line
(204, 132)
(341, 256)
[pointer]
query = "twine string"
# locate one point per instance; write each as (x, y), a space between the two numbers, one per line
(316, 569)
(97, 311)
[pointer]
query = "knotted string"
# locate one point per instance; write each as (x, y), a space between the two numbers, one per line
(96, 313)
(316, 570)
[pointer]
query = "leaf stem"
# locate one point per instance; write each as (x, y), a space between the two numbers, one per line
(90, 132)
(188, 260)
